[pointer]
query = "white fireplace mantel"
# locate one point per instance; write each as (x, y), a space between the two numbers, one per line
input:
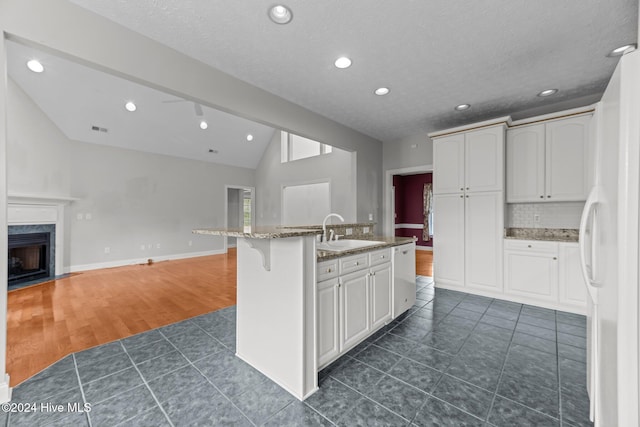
(30, 209)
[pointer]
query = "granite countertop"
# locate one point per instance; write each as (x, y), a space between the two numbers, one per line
(548, 234)
(387, 243)
(258, 232)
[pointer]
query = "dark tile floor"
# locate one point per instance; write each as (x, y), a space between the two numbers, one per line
(453, 360)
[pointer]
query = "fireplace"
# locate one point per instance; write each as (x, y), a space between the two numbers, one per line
(31, 254)
(29, 257)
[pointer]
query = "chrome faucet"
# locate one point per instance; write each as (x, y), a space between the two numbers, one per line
(324, 224)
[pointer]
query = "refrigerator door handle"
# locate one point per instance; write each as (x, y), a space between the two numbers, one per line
(587, 270)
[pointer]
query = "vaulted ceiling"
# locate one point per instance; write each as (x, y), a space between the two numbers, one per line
(495, 55)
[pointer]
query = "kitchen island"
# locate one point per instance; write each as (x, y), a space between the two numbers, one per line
(277, 318)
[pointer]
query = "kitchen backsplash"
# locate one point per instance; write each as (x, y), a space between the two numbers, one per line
(544, 215)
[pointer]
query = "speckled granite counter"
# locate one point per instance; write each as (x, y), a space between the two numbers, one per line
(387, 243)
(258, 232)
(549, 234)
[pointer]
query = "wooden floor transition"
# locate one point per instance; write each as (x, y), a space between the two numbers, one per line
(48, 321)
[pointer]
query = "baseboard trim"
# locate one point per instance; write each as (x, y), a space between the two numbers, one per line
(424, 248)
(134, 261)
(5, 390)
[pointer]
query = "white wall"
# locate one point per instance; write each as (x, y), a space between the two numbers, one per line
(133, 198)
(415, 150)
(337, 167)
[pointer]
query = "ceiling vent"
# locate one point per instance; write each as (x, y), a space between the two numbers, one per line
(99, 129)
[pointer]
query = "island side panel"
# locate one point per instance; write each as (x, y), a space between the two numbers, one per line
(276, 312)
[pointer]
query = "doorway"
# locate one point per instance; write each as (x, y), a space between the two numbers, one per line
(239, 210)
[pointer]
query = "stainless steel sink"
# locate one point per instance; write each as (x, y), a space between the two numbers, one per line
(346, 245)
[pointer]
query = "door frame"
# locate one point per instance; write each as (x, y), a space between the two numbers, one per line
(389, 200)
(252, 190)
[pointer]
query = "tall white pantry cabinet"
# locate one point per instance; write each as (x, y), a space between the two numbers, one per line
(468, 187)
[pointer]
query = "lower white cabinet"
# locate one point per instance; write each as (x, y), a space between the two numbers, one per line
(352, 302)
(544, 273)
(354, 308)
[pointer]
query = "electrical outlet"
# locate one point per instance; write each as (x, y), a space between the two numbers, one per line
(142, 247)
(79, 217)
(107, 250)
(348, 231)
(190, 243)
(157, 245)
(149, 245)
(536, 218)
(88, 217)
(370, 217)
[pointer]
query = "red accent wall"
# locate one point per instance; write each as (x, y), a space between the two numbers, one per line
(409, 204)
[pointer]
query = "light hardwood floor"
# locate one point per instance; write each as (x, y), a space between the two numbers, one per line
(51, 320)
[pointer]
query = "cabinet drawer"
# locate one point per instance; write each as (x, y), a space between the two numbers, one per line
(327, 270)
(380, 257)
(354, 263)
(530, 246)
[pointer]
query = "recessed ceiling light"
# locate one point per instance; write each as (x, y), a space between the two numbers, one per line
(619, 51)
(381, 91)
(249, 137)
(130, 106)
(343, 62)
(462, 107)
(35, 66)
(548, 92)
(280, 14)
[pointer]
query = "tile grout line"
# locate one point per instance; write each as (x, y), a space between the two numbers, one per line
(558, 376)
(84, 398)
(146, 384)
(204, 376)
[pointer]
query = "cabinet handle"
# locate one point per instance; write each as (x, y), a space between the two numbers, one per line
(555, 258)
(461, 196)
(381, 256)
(461, 189)
(328, 270)
(338, 284)
(542, 197)
(467, 196)
(548, 197)
(528, 246)
(404, 252)
(467, 188)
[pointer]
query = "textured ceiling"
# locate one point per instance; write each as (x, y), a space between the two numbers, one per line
(76, 98)
(495, 55)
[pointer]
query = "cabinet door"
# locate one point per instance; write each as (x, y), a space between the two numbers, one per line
(484, 159)
(448, 164)
(533, 275)
(328, 312)
(525, 164)
(567, 156)
(354, 308)
(448, 246)
(484, 225)
(573, 289)
(380, 284)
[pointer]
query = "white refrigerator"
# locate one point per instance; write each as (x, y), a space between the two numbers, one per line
(609, 242)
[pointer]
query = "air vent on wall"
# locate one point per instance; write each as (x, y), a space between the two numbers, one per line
(99, 129)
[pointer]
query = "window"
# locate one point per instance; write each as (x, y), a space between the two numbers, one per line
(295, 147)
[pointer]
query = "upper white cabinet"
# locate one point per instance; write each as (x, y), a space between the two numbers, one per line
(471, 161)
(548, 161)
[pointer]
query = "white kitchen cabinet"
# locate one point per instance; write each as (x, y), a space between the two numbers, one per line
(572, 288)
(404, 278)
(328, 314)
(448, 159)
(548, 161)
(448, 251)
(380, 282)
(531, 270)
(544, 273)
(353, 301)
(525, 164)
(354, 308)
(483, 223)
(470, 161)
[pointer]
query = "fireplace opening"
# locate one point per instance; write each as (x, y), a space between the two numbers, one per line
(29, 256)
